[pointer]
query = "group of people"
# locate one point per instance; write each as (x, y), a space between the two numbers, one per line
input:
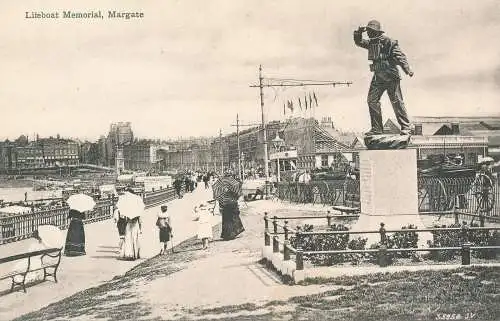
(129, 229)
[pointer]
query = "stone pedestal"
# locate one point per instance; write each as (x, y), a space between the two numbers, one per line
(388, 192)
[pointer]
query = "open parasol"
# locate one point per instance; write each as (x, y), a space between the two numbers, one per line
(130, 205)
(51, 236)
(81, 202)
(226, 188)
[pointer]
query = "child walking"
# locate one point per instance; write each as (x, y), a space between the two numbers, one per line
(164, 225)
(204, 225)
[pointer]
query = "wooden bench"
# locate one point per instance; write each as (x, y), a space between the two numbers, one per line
(49, 268)
(346, 209)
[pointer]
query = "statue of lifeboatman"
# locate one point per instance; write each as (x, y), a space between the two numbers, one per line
(385, 55)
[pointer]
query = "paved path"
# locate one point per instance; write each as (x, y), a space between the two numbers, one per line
(100, 264)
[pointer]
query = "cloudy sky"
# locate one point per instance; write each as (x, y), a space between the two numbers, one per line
(185, 68)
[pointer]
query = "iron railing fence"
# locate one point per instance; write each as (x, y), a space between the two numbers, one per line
(471, 196)
(279, 238)
(333, 192)
(15, 227)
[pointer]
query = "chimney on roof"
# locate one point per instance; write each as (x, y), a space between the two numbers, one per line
(418, 129)
(455, 129)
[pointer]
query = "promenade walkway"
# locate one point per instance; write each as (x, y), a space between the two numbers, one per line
(100, 264)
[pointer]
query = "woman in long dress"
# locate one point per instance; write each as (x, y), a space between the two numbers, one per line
(121, 225)
(75, 239)
(131, 247)
(231, 222)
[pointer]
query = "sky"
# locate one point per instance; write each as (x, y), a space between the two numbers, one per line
(186, 67)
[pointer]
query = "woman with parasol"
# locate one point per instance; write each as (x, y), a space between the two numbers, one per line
(227, 191)
(131, 206)
(75, 238)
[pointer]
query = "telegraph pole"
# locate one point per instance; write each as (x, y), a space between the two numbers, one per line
(221, 153)
(239, 149)
(266, 158)
(277, 82)
(238, 125)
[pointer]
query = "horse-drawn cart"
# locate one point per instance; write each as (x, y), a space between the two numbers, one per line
(444, 187)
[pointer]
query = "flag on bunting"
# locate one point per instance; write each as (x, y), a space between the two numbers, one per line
(300, 104)
(315, 99)
(310, 101)
(305, 101)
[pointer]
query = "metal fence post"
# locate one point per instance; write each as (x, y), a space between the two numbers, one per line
(299, 259)
(382, 256)
(465, 234)
(286, 251)
(383, 236)
(276, 244)
(466, 253)
(481, 219)
(285, 228)
(328, 218)
(455, 213)
(275, 224)
(267, 239)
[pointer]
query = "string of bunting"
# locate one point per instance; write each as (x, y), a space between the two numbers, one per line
(309, 101)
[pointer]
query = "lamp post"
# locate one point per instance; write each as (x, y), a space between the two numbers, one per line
(278, 143)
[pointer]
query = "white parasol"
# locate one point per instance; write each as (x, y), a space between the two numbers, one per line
(51, 236)
(81, 202)
(130, 205)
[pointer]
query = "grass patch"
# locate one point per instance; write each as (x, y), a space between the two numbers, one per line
(419, 295)
(95, 302)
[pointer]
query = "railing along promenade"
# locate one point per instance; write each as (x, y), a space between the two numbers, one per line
(469, 197)
(279, 237)
(331, 192)
(15, 227)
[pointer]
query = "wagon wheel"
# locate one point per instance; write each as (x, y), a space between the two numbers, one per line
(482, 189)
(423, 194)
(438, 197)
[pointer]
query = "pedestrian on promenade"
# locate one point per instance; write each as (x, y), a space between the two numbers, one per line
(227, 192)
(131, 244)
(164, 225)
(75, 238)
(204, 224)
(121, 225)
(178, 186)
(206, 179)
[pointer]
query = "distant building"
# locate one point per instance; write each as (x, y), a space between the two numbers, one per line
(487, 127)
(316, 144)
(44, 153)
(59, 152)
(442, 138)
(142, 155)
(7, 156)
(119, 134)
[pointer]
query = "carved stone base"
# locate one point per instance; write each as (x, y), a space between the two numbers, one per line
(387, 141)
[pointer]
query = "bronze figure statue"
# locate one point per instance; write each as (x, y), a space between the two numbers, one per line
(385, 55)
